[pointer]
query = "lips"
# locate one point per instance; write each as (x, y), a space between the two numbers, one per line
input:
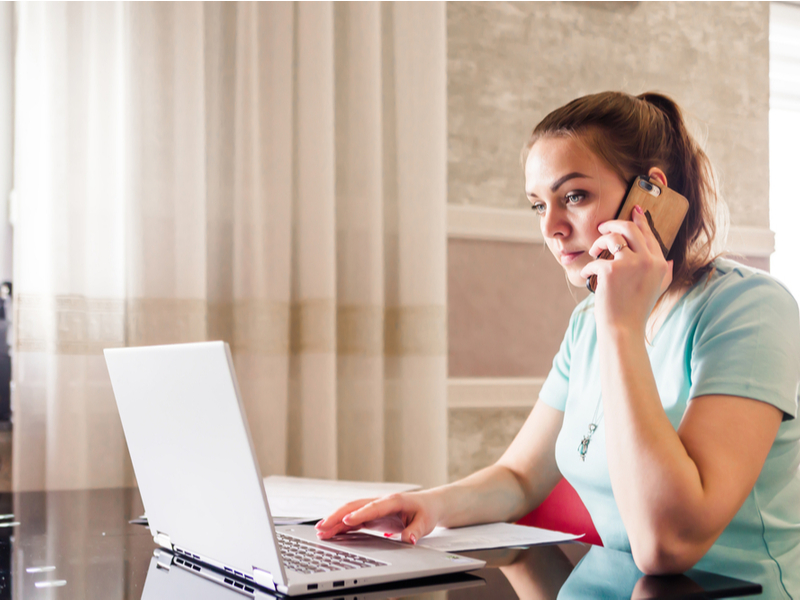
(566, 258)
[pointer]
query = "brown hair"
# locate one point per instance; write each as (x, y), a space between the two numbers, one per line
(632, 134)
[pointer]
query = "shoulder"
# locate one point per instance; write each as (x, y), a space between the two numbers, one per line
(744, 332)
(732, 287)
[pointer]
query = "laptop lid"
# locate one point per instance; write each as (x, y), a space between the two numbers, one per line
(193, 456)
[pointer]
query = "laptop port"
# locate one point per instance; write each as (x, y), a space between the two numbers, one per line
(338, 584)
(312, 586)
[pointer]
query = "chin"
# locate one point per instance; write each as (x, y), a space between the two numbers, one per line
(577, 281)
(574, 277)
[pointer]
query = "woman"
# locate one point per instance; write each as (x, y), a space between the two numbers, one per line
(671, 404)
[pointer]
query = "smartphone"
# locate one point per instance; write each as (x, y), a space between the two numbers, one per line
(664, 208)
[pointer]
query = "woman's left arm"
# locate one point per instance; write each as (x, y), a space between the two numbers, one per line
(676, 490)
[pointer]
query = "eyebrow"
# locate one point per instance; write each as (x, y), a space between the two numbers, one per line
(562, 180)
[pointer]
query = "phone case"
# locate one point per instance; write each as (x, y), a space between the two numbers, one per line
(664, 208)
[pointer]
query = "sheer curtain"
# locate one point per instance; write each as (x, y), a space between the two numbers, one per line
(269, 174)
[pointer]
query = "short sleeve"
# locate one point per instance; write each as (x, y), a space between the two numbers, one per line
(747, 343)
(556, 387)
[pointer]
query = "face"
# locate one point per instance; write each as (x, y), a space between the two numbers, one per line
(573, 191)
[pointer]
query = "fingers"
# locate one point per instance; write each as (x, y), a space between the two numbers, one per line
(401, 513)
(377, 509)
(359, 513)
(336, 517)
(613, 242)
(335, 530)
(417, 529)
(596, 267)
(636, 232)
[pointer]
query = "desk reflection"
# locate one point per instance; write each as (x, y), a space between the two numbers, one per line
(167, 581)
(79, 544)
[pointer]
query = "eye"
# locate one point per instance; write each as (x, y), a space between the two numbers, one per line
(538, 208)
(575, 197)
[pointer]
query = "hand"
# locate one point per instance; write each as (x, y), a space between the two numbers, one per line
(629, 284)
(412, 514)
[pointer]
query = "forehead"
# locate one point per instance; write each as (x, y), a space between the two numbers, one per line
(553, 157)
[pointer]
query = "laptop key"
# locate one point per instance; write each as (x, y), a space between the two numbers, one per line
(306, 557)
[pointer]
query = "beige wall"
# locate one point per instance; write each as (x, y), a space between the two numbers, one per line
(511, 63)
(502, 318)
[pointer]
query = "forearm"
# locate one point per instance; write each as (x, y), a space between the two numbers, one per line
(489, 495)
(518, 482)
(656, 483)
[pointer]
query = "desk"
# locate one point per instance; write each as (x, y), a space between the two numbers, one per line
(97, 554)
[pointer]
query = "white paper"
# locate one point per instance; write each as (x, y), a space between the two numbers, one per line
(301, 498)
(493, 535)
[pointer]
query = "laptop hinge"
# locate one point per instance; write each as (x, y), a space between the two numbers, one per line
(264, 578)
(164, 559)
(162, 539)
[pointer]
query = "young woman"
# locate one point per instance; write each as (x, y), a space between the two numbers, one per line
(671, 404)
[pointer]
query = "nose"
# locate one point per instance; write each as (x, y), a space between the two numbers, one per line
(554, 223)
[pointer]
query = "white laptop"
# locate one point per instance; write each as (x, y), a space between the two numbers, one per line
(202, 488)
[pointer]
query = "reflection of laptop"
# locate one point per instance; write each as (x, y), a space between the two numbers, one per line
(167, 579)
(202, 488)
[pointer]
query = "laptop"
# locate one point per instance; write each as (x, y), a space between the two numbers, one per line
(203, 492)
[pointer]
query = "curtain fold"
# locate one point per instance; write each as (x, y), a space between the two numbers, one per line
(269, 174)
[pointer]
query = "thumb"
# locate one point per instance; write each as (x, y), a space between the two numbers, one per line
(414, 531)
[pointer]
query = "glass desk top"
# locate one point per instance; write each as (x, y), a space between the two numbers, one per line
(80, 545)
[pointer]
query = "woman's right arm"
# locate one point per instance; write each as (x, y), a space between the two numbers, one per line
(504, 491)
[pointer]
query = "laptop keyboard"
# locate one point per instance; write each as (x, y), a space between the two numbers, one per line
(306, 557)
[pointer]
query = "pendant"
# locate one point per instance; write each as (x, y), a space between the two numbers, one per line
(584, 447)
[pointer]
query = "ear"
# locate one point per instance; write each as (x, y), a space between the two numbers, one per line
(659, 175)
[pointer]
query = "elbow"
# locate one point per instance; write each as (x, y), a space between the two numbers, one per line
(661, 556)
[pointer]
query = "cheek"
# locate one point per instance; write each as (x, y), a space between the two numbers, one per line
(587, 225)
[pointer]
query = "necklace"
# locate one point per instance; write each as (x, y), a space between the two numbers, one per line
(584, 446)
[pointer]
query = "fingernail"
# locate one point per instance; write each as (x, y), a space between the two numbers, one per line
(638, 209)
(346, 519)
(413, 539)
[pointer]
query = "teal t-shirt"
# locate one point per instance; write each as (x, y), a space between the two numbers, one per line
(735, 333)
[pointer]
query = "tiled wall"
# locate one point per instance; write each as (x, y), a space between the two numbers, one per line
(508, 65)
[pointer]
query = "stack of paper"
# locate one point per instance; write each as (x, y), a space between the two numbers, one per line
(492, 535)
